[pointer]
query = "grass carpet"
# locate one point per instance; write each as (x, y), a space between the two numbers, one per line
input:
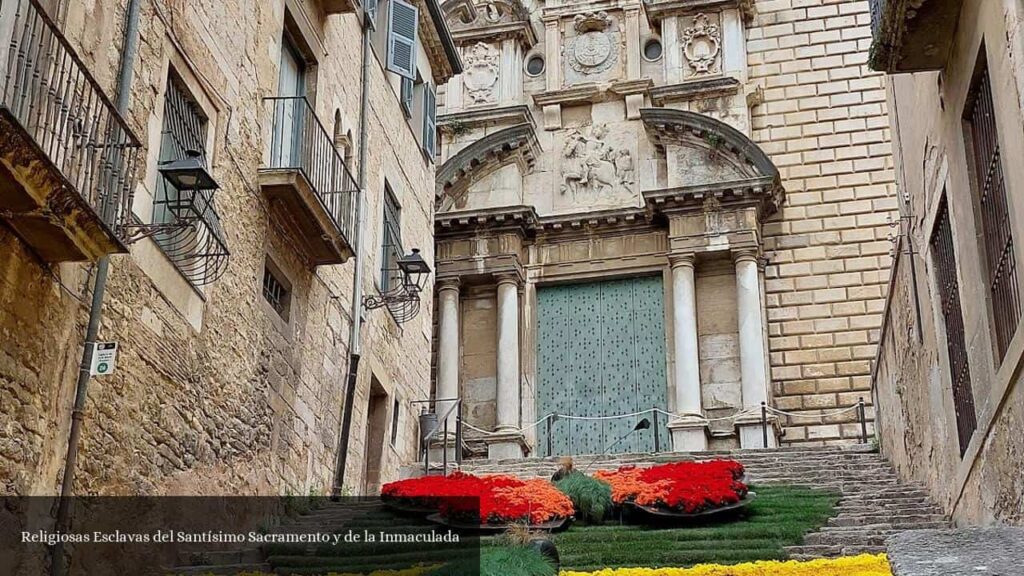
(779, 517)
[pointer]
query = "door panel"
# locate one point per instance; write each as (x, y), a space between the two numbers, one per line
(600, 352)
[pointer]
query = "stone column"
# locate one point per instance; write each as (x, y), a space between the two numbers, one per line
(508, 443)
(752, 353)
(688, 427)
(448, 344)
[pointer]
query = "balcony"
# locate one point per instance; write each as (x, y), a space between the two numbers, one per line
(909, 39)
(307, 182)
(67, 158)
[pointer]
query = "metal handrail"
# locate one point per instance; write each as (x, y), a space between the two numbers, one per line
(442, 425)
(299, 141)
(49, 90)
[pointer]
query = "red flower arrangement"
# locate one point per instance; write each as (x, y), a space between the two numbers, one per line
(482, 499)
(687, 487)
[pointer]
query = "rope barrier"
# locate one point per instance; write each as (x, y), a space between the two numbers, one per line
(823, 415)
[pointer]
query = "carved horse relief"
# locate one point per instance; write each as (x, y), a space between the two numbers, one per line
(592, 169)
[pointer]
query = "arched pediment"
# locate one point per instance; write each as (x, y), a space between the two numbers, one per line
(707, 157)
(516, 144)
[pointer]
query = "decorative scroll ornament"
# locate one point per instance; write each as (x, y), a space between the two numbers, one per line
(592, 51)
(593, 167)
(702, 43)
(481, 72)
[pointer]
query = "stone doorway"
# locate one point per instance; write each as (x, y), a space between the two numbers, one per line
(376, 426)
(601, 352)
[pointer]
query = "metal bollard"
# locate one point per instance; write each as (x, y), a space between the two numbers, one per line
(764, 423)
(863, 421)
(549, 419)
(657, 434)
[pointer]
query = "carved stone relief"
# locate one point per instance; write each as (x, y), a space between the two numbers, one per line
(594, 49)
(481, 73)
(592, 169)
(702, 46)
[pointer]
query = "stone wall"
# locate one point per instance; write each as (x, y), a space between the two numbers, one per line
(824, 123)
(214, 392)
(917, 416)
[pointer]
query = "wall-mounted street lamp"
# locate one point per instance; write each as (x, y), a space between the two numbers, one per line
(188, 173)
(403, 300)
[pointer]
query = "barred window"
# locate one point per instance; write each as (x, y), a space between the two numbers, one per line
(990, 188)
(391, 248)
(944, 261)
(276, 292)
(184, 130)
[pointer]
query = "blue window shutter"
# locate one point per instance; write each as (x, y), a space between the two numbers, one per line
(402, 24)
(407, 96)
(429, 119)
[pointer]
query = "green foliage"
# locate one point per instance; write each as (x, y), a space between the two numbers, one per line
(592, 498)
(503, 561)
(778, 517)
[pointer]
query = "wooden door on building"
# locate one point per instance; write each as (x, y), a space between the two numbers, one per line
(601, 352)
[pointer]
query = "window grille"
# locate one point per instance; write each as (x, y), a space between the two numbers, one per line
(391, 277)
(275, 293)
(1000, 260)
(944, 260)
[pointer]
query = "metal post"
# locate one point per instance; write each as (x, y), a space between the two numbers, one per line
(863, 422)
(764, 423)
(444, 448)
(458, 435)
(549, 419)
(657, 435)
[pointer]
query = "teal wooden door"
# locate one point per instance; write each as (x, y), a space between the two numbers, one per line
(601, 352)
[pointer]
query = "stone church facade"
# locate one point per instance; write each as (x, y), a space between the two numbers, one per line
(671, 205)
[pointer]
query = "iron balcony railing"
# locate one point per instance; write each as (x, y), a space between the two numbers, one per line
(49, 91)
(300, 142)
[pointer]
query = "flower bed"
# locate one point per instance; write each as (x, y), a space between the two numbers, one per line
(863, 565)
(684, 487)
(482, 499)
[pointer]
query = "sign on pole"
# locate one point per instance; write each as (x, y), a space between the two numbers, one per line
(104, 358)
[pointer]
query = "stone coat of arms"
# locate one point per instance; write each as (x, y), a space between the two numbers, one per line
(481, 73)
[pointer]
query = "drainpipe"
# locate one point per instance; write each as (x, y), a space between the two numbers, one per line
(124, 82)
(357, 287)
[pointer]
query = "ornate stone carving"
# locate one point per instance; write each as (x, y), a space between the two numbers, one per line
(593, 49)
(702, 44)
(592, 167)
(481, 72)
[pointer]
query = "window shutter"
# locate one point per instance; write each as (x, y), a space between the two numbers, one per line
(402, 24)
(429, 119)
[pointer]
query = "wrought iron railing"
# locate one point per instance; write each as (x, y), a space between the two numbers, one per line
(49, 91)
(299, 141)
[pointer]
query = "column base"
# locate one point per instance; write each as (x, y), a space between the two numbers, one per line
(751, 432)
(689, 434)
(506, 446)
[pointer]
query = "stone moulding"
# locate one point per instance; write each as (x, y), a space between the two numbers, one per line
(470, 119)
(489, 20)
(514, 144)
(522, 218)
(764, 192)
(657, 10)
(694, 90)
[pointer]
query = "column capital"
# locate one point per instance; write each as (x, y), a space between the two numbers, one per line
(677, 260)
(745, 255)
(448, 283)
(507, 278)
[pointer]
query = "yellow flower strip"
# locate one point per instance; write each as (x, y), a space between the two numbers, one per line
(863, 565)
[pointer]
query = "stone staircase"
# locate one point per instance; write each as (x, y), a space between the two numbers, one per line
(874, 504)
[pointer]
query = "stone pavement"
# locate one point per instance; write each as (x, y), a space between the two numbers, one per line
(997, 551)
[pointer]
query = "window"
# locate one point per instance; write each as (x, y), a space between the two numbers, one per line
(407, 96)
(652, 50)
(535, 65)
(402, 24)
(395, 415)
(990, 194)
(429, 121)
(391, 247)
(944, 261)
(276, 291)
(184, 130)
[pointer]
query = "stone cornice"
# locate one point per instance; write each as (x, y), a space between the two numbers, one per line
(501, 19)
(694, 90)
(611, 219)
(764, 192)
(659, 9)
(590, 92)
(522, 219)
(518, 143)
(508, 115)
(626, 87)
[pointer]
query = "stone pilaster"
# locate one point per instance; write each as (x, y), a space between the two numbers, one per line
(448, 344)
(753, 369)
(689, 426)
(510, 443)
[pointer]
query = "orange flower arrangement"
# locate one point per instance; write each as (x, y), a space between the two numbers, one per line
(539, 497)
(687, 487)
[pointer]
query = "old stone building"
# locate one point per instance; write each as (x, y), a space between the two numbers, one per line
(947, 376)
(672, 209)
(233, 306)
